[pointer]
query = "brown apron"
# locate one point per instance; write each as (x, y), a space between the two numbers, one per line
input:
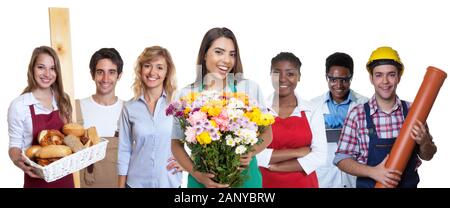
(102, 174)
(43, 122)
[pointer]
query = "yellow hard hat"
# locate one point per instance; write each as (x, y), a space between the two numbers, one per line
(384, 55)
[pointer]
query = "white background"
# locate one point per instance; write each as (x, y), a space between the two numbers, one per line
(312, 30)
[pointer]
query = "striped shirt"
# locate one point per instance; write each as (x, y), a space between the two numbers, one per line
(354, 139)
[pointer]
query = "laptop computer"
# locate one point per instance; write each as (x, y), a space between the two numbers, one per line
(333, 135)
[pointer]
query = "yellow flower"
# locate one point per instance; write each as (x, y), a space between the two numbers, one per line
(204, 109)
(241, 96)
(204, 138)
(213, 108)
(213, 123)
(187, 110)
(256, 116)
(214, 111)
(253, 115)
(265, 120)
(189, 98)
(217, 103)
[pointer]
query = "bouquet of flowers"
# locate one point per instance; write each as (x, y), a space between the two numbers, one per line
(219, 128)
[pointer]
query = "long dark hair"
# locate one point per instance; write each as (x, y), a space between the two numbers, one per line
(210, 36)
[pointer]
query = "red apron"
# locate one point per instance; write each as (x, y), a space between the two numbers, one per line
(42, 122)
(289, 133)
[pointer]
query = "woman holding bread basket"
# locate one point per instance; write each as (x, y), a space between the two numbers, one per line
(43, 105)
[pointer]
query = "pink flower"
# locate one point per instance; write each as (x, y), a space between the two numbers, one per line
(190, 134)
(222, 120)
(170, 110)
(197, 116)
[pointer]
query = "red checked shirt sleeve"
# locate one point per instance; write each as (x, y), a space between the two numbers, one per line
(349, 145)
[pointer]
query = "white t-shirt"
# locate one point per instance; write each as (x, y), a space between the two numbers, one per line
(104, 118)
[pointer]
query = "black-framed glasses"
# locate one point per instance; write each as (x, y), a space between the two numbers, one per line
(335, 80)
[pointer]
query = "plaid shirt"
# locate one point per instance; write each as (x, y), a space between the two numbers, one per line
(354, 139)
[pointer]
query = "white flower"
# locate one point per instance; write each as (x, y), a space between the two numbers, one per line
(230, 142)
(235, 103)
(197, 104)
(248, 136)
(215, 136)
(234, 113)
(253, 140)
(238, 140)
(228, 137)
(210, 95)
(241, 149)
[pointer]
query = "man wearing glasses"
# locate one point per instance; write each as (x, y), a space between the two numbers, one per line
(335, 105)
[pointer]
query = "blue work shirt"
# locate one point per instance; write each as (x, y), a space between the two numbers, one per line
(338, 111)
(145, 145)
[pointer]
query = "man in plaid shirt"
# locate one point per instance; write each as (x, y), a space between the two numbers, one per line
(370, 129)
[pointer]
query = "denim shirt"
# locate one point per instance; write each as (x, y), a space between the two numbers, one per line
(338, 111)
(145, 145)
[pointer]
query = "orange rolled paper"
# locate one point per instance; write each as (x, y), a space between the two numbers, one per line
(420, 108)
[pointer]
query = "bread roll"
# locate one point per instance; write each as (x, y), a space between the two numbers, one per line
(93, 136)
(88, 143)
(31, 151)
(53, 151)
(50, 137)
(74, 143)
(73, 129)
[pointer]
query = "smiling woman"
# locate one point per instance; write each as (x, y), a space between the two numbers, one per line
(144, 156)
(220, 57)
(299, 144)
(221, 71)
(42, 105)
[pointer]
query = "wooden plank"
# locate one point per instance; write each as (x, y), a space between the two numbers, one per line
(60, 41)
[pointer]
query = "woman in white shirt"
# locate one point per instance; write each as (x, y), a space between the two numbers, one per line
(299, 144)
(42, 105)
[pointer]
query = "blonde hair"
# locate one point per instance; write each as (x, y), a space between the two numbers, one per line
(62, 99)
(149, 53)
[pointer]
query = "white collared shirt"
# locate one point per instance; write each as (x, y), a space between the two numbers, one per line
(318, 154)
(20, 125)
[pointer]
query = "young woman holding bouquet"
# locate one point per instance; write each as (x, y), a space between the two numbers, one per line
(299, 143)
(42, 105)
(144, 129)
(221, 71)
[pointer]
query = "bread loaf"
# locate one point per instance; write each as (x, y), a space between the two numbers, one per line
(93, 136)
(53, 151)
(74, 143)
(31, 151)
(73, 129)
